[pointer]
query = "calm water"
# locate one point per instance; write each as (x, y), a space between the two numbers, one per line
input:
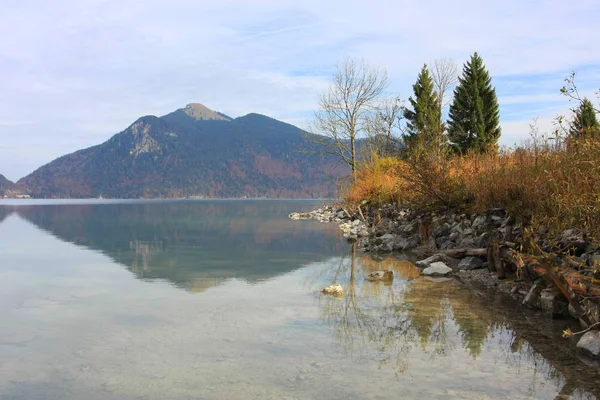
(220, 300)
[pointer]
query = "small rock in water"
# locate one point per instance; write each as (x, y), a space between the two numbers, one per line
(296, 216)
(333, 290)
(589, 344)
(434, 258)
(380, 276)
(437, 269)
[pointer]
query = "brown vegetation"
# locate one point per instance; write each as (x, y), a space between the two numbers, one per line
(539, 184)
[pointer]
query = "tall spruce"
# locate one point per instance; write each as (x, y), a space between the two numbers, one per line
(424, 127)
(585, 122)
(474, 114)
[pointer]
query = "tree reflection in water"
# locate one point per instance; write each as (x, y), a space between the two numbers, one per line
(386, 322)
(392, 317)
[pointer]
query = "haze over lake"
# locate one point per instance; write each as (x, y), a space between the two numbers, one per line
(220, 300)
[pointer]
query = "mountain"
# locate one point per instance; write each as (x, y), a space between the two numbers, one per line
(8, 187)
(192, 151)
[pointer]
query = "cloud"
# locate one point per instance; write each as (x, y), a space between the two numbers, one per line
(80, 71)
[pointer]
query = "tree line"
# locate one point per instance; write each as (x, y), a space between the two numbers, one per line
(356, 106)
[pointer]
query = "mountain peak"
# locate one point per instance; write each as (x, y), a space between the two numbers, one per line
(201, 112)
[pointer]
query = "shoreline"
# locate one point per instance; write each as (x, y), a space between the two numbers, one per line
(479, 251)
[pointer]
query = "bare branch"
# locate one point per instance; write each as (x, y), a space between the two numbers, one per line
(344, 109)
(445, 76)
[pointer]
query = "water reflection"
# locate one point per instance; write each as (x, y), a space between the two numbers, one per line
(393, 323)
(194, 245)
(74, 324)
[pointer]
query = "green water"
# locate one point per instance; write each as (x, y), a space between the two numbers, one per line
(220, 300)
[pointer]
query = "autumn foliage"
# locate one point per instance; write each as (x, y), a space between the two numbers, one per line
(540, 184)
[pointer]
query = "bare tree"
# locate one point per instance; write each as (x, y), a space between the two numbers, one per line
(383, 128)
(444, 75)
(346, 107)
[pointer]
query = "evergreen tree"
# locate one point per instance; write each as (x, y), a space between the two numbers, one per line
(474, 114)
(585, 121)
(424, 127)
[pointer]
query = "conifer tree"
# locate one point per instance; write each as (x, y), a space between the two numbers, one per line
(474, 114)
(585, 122)
(424, 127)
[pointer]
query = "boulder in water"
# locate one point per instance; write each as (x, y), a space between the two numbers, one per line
(333, 290)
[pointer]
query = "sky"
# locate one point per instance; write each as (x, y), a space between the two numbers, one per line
(75, 72)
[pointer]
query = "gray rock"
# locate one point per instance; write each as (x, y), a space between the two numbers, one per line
(532, 300)
(468, 232)
(448, 245)
(470, 263)
(404, 244)
(553, 302)
(479, 224)
(589, 344)
(437, 269)
(467, 242)
(454, 236)
(441, 240)
(434, 258)
(388, 237)
(573, 240)
(441, 231)
(384, 247)
(495, 221)
(341, 215)
(409, 228)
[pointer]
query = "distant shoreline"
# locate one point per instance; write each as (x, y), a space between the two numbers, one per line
(67, 201)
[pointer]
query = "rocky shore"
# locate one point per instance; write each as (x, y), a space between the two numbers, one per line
(482, 250)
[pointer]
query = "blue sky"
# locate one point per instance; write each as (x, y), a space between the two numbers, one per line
(73, 73)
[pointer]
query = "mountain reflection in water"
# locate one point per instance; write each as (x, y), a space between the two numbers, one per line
(184, 242)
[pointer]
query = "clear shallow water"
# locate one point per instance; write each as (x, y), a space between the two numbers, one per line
(220, 300)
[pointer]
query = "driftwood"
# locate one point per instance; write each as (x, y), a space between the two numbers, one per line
(501, 258)
(573, 285)
(459, 253)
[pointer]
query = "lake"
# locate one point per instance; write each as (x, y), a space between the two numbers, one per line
(220, 300)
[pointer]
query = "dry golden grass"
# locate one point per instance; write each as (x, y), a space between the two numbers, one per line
(381, 181)
(539, 185)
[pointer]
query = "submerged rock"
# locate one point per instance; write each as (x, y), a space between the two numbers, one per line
(589, 344)
(333, 290)
(437, 269)
(380, 276)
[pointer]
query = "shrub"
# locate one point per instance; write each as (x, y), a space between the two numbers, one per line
(540, 184)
